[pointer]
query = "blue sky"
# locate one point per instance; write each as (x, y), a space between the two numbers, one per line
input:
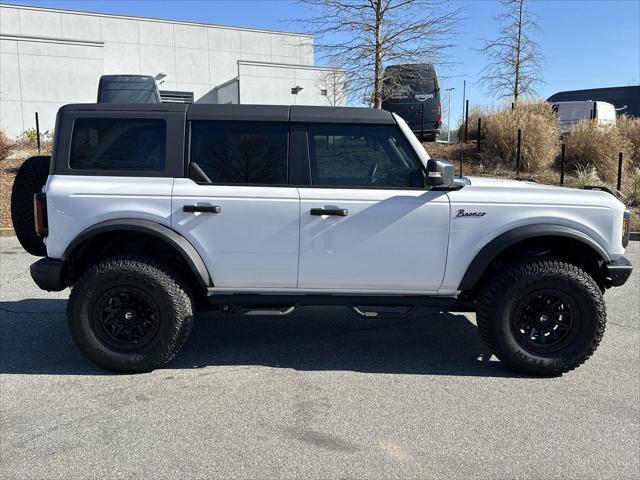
(586, 43)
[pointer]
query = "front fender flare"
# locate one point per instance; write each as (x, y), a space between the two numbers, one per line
(499, 244)
(173, 238)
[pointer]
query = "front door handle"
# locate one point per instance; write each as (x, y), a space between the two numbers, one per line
(340, 212)
(201, 208)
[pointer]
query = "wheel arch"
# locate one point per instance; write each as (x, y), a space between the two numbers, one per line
(146, 227)
(528, 234)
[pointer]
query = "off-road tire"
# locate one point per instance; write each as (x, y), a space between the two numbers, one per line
(29, 180)
(524, 279)
(161, 286)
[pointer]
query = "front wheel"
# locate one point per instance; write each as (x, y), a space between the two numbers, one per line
(542, 316)
(129, 314)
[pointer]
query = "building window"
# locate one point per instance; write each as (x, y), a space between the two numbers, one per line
(241, 153)
(323, 92)
(118, 144)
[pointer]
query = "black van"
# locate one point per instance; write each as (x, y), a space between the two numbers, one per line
(128, 89)
(412, 91)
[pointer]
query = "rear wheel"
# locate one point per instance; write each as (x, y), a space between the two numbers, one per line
(31, 177)
(129, 314)
(542, 316)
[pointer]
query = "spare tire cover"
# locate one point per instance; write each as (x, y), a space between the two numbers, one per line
(31, 177)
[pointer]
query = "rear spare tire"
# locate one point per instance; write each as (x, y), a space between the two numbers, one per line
(31, 177)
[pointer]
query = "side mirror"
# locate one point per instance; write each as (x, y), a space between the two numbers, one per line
(440, 173)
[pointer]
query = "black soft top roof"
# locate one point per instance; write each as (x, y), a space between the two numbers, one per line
(266, 113)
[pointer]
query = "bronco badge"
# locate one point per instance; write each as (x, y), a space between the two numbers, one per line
(462, 213)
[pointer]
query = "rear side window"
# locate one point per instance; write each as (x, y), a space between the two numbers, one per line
(118, 144)
(241, 153)
(360, 156)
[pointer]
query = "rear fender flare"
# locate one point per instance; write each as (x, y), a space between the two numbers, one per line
(171, 237)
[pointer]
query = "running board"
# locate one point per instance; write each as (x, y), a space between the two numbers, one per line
(383, 312)
(265, 311)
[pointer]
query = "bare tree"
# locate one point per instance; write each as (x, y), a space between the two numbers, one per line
(364, 36)
(514, 65)
(333, 84)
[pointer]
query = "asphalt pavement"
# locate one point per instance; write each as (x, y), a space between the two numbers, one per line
(322, 393)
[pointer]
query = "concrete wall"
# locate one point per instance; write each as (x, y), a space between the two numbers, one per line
(50, 57)
(270, 83)
(228, 93)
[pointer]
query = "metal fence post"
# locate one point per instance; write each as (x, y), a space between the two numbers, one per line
(466, 123)
(38, 131)
(562, 165)
(619, 170)
(422, 123)
(479, 130)
(518, 152)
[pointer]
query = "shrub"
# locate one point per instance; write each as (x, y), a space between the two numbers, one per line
(629, 128)
(6, 146)
(634, 195)
(586, 176)
(28, 140)
(596, 146)
(540, 136)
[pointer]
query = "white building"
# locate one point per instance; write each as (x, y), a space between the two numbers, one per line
(50, 57)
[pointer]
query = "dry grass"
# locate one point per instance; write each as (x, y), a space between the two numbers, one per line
(540, 137)
(591, 145)
(629, 129)
(6, 146)
(634, 194)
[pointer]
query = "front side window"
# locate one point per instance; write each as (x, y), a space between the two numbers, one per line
(118, 144)
(241, 153)
(360, 156)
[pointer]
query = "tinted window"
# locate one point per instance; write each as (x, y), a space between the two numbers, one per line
(241, 152)
(118, 144)
(365, 156)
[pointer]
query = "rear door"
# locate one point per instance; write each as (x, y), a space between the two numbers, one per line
(363, 227)
(237, 209)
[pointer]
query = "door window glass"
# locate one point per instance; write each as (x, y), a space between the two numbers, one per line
(241, 153)
(360, 156)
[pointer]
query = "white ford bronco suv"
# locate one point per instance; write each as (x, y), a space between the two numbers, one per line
(150, 212)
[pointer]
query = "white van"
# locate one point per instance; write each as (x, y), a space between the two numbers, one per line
(570, 113)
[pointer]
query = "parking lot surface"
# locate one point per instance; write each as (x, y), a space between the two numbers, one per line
(319, 394)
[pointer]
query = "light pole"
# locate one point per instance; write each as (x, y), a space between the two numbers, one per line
(449, 115)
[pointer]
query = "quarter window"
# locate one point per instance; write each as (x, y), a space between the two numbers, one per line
(241, 153)
(360, 156)
(118, 144)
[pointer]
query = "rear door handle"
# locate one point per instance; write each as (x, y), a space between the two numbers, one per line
(340, 212)
(201, 208)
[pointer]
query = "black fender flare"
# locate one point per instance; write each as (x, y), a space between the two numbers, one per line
(499, 244)
(173, 238)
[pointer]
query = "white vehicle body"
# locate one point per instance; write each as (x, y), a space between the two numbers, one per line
(571, 113)
(396, 242)
(271, 243)
(152, 212)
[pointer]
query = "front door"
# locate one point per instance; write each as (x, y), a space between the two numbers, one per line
(238, 211)
(363, 228)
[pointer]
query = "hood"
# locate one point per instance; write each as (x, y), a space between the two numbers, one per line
(508, 190)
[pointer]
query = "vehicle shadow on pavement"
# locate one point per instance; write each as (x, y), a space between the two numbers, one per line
(34, 340)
